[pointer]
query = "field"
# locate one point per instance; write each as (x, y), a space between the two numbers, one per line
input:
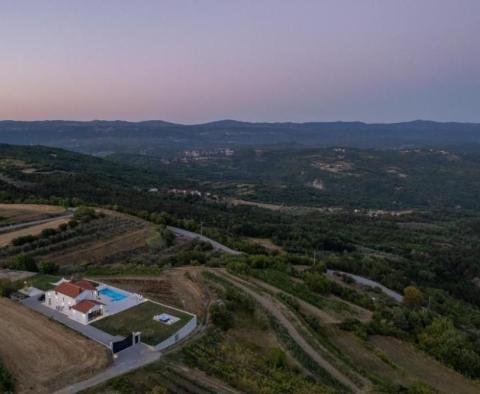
(18, 213)
(7, 238)
(42, 355)
(96, 251)
(423, 367)
(140, 318)
(103, 240)
(28, 212)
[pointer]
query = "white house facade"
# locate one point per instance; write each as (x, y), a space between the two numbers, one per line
(85, 301)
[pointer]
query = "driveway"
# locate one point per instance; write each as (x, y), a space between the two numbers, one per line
(125, 361)
(86, 330)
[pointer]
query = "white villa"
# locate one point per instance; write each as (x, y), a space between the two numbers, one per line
(84, 301)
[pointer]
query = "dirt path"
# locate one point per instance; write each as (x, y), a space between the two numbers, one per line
(281, 313)
(323, 316)
(43, 355)
(201, 377)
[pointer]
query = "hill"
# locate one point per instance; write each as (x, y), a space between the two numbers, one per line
(158, 137)
(400, 179)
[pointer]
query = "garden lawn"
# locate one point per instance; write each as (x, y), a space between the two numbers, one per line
(140, 318)
(43, 282)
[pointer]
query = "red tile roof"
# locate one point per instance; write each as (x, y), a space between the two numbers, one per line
(69, 289)
(85, 306)
(85, 285)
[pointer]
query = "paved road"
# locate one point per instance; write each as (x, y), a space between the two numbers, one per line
(370, 283)
(126, 361)
(191, 235)
(87, 330)
(11, 227)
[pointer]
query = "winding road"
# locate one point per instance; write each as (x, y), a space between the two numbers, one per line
(191, 235)
(370, 283)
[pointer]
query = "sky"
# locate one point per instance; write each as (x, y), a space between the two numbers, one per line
(192, 61)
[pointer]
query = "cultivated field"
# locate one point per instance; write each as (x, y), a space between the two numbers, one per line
(96, 251)
(43, 355)
(18, 213)
(7, 238)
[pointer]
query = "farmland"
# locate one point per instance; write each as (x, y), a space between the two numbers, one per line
(19, 213)
(41, 354)
(7, 238)
(85, 243)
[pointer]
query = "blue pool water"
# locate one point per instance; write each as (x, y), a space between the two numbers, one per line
(112, 294)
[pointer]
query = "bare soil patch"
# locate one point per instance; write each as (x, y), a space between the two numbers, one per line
(17, 213)
(7, 238)
(14, 275)
(42, 355)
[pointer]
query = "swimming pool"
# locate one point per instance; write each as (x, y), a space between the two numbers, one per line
(114, 295)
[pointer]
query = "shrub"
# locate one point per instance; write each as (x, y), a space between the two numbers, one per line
(442, 340)
(84, 214)
(48, 232)
(413, 296)
(7, 287)
(221, 316)
(24, 263)
(23, 240)
(48, 268)
(7, 383)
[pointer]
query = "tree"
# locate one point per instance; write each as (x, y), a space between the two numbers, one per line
(24, 262)
(84, 214)
(7, 287)
(412, 296)
(221, 316)
(48, 267)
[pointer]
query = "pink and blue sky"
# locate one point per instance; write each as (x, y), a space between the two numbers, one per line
(258, 60)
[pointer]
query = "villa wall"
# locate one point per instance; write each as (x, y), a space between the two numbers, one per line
(179, 335)
(78, 316)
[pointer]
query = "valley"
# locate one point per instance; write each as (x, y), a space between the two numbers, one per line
(258, 273)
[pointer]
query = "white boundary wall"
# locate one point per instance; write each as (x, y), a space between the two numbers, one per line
(179, 335)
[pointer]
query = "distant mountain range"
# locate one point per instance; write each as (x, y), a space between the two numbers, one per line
(158, 137)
